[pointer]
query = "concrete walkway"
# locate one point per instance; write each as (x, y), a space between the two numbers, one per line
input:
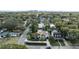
(48, 43)
(65, 42)
(59, 44)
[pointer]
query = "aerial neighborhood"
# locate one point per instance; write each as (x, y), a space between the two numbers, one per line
(39, 30)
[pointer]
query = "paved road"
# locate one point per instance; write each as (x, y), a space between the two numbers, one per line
(23, 36)
(25, 23)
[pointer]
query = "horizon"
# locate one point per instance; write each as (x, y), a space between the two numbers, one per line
(35, 11)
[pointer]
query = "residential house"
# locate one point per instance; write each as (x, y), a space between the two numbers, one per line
(5, 34)
(2, 30)
(52, 26)
(54, 31)
(43, 34)
(41, 26)
(41, 19)
(14, 34)
(65, 18)
(56, 35)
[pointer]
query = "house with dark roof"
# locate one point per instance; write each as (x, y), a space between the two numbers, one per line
(56, 35)
(65, 18)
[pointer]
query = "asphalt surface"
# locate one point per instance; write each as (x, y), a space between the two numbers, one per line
(23, 36)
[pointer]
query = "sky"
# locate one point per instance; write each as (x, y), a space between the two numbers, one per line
(42, 5)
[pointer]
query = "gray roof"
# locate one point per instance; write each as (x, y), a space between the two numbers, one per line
(11, 33)
(4, 33)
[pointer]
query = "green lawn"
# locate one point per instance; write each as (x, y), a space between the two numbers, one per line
(12, 46)
(11, 43)
(62, 43)
(10, 40)
(53, 42)
(74, 42)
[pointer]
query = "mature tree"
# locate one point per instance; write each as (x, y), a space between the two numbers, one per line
(9, 24)
(12, 24)
(34, 26)
(64, 31)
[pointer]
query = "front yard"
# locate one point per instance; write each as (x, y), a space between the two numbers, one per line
(11, 43)
(74, 42)
(10, 40)
(53, 42)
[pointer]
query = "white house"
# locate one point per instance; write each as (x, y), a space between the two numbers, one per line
(41, 25)
(14, 34)
(54, 31)
(52, 26)
(46, 34)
